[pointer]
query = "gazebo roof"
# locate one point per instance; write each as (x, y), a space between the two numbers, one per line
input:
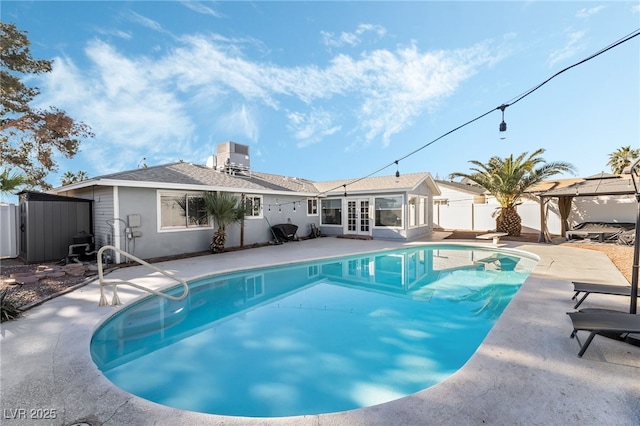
(593, 186)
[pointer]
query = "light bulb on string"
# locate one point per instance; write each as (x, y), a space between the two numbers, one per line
(503, 124)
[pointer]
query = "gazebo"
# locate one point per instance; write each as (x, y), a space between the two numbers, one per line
(601, 184)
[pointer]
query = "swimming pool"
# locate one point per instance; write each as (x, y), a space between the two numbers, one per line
(312, 337)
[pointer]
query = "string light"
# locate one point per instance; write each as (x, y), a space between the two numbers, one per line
(503, 124)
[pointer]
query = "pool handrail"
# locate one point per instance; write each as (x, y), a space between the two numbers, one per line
(116, 300)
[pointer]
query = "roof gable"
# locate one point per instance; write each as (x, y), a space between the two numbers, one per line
(405, 182)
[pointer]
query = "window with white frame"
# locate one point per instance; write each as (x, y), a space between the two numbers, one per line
(418, 210)
(331, 212)
(413, 206)
(389, 211)
(423, 212)
(182, 210)
(312, 207)
(253, 206)
(254, 286)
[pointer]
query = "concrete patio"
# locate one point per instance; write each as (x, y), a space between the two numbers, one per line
(526, 371)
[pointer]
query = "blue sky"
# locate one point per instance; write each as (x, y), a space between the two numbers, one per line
(333, 90)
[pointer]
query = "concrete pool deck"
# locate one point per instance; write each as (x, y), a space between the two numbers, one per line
(526, 371)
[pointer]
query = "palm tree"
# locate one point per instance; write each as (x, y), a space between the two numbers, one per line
(9, 183)
(70, 177)
(622, 158)
(226, 209)
(508, 178)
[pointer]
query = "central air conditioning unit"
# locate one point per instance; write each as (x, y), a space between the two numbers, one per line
(232, 157)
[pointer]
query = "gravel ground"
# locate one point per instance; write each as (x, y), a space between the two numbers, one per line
(27, 295)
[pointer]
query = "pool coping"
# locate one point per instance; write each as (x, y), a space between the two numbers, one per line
(525, 371)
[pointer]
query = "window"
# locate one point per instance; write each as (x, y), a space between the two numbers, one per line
(413, 217)
(418, 210)
(389, 211)
(331, 212)
(423, 212)
(253, 206)
(183, 210)
(254, 286)
(312, 206)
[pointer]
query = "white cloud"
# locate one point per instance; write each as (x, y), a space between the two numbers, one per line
(146, 22)
(588, 12)
(199, 7)
(240, 121)
(152, 107)
(570, 49)
(310, 128)
(352, 39)
(127, 109)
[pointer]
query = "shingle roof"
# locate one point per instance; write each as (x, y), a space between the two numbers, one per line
(466, 187)
(192, 174)
(187, 174)
(375, 183)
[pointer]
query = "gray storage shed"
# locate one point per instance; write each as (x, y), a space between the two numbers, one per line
(48, 224)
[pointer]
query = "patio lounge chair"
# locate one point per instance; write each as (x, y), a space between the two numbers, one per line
(608, 323)
(588, 288)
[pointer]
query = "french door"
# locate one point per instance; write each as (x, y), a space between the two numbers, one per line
(358, 216)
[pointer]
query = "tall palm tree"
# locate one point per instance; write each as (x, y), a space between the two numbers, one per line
(10, 182)
(622, 158)
(226, 209)
(508, 178)
(71, 177)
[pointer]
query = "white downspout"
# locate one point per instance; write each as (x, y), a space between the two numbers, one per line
(116, 224)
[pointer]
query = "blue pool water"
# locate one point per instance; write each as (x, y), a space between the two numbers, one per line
(312, 337)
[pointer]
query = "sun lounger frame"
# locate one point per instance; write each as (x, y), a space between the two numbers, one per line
(588, 288)
(605, 322)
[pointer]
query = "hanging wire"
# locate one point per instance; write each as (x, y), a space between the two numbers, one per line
(501, 108)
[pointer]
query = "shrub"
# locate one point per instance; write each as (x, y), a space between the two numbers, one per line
(8, 311)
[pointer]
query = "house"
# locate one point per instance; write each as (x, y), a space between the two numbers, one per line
(464, 192)
(157, 211)
(384, 207)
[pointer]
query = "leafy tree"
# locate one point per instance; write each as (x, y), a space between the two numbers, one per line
(508, 178)
(226, 209)
(622, 158)
(70, 177)
(10, 182)
(30, 137)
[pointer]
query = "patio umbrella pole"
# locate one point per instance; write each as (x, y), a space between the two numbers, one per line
(636, 243)
(636, 255)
